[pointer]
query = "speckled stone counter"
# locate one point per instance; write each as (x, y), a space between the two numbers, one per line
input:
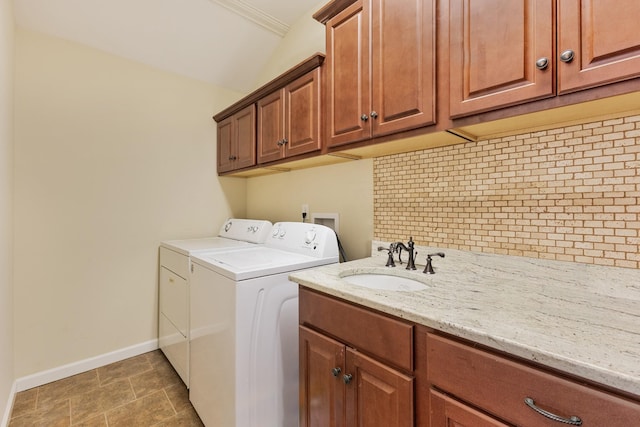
(581, 319)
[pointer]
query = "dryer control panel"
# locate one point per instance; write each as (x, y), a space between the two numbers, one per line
(309, 239)
(247, 230)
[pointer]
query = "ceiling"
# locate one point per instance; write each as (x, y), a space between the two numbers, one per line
(225, 42)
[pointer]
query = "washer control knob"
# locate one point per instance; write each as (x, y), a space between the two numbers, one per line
(275, 231)
(310, 236)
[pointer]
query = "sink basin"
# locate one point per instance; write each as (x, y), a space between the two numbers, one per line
(382, 280)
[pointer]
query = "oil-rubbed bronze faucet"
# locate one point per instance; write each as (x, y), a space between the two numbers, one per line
(411, 264)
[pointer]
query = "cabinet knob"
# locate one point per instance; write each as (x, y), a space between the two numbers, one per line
(374, 115)
(347, 378)
(336, 371)
(567, 56)
(364, 117)
(232, 157)
(542, 63)
(282, 142)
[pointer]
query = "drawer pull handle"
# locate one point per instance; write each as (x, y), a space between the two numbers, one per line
(572, 420)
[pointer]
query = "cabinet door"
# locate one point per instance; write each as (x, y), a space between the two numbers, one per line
(403, 61)
(348, 81)
(604, 39)
(494, 46)
(270, 127)
(226, 145)
(321, 392)
(377, 395)
(245, 127)
(447, 412)
(302, 114)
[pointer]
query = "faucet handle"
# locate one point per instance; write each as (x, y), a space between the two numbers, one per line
(428, 269)
(390, 262)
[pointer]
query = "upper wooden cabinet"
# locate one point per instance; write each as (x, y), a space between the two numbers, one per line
(237, 140)
(379, 68)
(289, 119)
(253, 130)
(598, 42)
(503, 52)
(494, 46)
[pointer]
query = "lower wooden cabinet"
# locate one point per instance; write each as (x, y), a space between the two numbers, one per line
(344, 386)
(360, 367)
(513, 392)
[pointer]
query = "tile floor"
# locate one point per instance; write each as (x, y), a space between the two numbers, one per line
(141, 391)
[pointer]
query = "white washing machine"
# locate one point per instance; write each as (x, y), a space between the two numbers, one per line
(244, 327)
(173, 277)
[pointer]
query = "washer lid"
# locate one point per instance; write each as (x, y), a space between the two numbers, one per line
(257, 261)
(191, 246)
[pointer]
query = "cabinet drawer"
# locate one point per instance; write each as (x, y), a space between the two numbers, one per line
(174, 300)
(175, 262)
(500, 386)
(390, 340)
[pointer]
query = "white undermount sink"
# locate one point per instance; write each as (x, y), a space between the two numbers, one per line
(383, 279)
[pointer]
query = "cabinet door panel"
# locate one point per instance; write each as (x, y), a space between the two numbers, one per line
(347, 63)
(226, 145)
(270, 127)
(322, 394)
(403, 37)
(447, 412)
(494, 46)
(378, 395)
(245, 129)
(302, 122)
(605, 40)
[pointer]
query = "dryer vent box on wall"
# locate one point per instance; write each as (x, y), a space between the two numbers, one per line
(331, 220)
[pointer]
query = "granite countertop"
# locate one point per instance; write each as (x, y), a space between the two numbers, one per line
(578, 318)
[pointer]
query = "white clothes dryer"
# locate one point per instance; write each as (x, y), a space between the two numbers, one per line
(173, 278)
(244, 327)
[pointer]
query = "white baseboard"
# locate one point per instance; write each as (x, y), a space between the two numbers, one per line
(7, 410)
(44, 377)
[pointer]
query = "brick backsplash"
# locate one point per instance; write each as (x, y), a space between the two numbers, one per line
(569, 194)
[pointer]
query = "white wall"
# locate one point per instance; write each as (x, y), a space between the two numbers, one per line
(6, 206)
(346, 189)
(111, 157)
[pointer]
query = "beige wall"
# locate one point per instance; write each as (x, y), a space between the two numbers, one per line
(6, 204)
(305, 37)
(346, 189)
(111, 157)
(570, 193)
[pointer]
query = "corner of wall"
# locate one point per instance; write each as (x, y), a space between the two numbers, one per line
(7, 375)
